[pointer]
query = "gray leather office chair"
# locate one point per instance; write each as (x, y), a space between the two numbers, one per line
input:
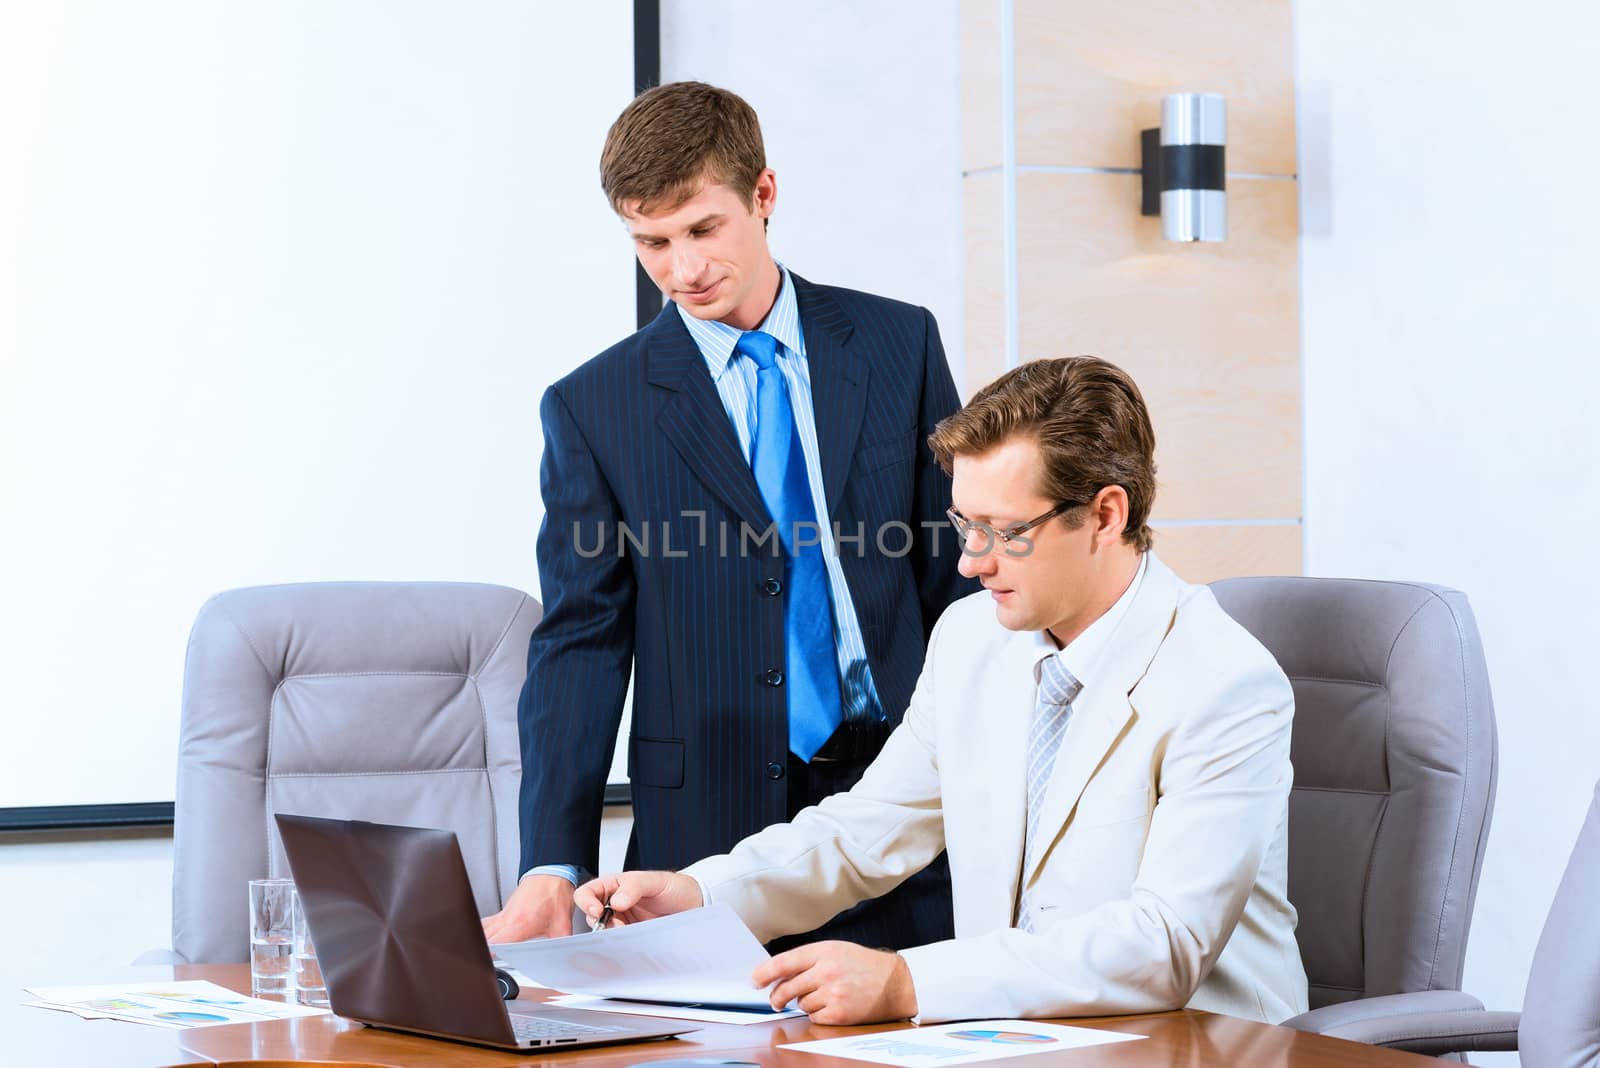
(1394, 756)
(393, 702)
(1559, 1026)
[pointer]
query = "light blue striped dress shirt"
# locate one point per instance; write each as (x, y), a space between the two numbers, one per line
(735, 379)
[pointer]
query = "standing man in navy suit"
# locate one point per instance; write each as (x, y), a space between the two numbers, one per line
(742, 509)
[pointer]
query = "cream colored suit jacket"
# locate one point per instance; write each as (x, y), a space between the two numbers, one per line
(1165, 885)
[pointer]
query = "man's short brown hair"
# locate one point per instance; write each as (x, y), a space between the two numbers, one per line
(1089, 421)
(672, 139)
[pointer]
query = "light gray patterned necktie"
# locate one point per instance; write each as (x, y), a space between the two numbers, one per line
(1051, 710)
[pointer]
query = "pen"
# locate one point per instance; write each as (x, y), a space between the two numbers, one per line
(605, 918)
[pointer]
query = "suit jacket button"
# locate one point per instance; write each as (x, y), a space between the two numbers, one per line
(772, 587)
(773, 678)
(774, 771)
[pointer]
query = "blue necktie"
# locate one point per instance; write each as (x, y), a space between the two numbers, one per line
(780, 469)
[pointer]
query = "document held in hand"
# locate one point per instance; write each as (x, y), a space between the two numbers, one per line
(702, 957)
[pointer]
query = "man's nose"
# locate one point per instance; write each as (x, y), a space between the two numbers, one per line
(977, 556)
(687, 267)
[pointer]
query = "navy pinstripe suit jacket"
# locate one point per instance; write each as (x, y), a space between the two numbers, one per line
(637, 439)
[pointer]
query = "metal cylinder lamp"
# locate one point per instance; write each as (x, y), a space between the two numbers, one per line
(1184, 166)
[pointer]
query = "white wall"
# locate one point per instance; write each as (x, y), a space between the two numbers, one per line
(280, 288)
(1451, 346)
(83, 904)
(860, 112)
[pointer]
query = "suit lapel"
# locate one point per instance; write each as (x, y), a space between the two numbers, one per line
(838, 385)
(1101, 716)
(695, 422)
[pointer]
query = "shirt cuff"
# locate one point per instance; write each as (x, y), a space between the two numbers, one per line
(705, 891)
(568, 872)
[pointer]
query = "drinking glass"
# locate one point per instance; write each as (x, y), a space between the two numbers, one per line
(309, 987)
(271, 936)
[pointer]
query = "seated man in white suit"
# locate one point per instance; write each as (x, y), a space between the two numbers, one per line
(1102, 751)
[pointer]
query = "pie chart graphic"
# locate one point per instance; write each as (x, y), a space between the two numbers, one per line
(1004, 1038)
(192, 1017)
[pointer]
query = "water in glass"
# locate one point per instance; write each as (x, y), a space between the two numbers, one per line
(270, 964)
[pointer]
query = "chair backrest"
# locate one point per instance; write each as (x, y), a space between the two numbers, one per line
(1394, 756)
(392, 702)
(1560, 1025)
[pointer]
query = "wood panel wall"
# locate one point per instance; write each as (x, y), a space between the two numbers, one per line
(1060, 262)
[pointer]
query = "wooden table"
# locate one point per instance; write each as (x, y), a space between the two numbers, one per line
(39, 1037)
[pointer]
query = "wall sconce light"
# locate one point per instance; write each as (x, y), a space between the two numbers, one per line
(1183, 166)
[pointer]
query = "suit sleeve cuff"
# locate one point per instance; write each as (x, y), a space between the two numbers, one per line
(937, 979)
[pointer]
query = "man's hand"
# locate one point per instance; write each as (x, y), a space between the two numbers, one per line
(540, 907)
(841, 983)
(635, 896)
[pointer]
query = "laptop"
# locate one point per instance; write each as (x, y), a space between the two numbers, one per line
(401, 947)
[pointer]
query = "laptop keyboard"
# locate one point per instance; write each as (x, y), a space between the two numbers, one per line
(528, 1027)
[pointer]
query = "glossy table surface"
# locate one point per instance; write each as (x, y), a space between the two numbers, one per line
(36, 1036)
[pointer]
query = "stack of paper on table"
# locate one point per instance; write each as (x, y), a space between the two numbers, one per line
(175, 1004)
(697, 964)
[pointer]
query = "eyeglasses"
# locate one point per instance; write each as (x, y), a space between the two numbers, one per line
(965, 527)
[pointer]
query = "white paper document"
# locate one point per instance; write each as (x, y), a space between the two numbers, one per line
(178, 1004)
(702, 958)
(962, 1043)
(676, 1011)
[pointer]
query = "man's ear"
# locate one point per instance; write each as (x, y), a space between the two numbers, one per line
(765, 198)
(1109, 513)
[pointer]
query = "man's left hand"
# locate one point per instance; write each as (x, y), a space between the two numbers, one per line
(841, 983)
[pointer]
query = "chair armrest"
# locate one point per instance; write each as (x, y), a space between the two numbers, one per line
(1433, 1022)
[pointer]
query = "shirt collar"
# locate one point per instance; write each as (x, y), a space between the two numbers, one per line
(716, 340)
(1083, 654)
